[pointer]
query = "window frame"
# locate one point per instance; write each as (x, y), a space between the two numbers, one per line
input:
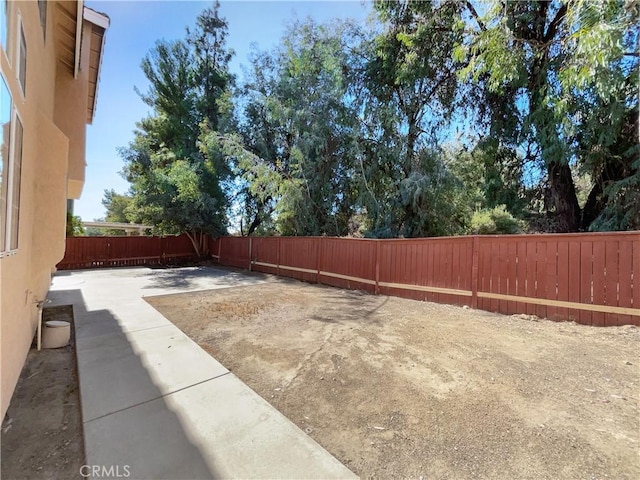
(12, 228)
(20, 56)
(4, 38)
(13, 183)
(4, 174)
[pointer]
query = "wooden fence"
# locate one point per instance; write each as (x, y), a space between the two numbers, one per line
(592, 279)
(94, 252)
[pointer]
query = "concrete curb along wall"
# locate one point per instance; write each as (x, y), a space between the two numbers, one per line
(593, 279)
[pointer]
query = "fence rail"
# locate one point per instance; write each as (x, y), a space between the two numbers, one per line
(592, 279)
(94, 252)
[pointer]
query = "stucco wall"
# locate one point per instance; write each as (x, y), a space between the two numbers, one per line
(53, 115)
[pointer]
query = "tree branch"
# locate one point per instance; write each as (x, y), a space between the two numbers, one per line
(475, 15)
(555, 23)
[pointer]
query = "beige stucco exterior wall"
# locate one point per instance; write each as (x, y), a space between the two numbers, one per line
(53, 115)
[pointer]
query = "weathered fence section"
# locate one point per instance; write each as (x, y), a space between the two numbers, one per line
(94, 252)
(590, 278)
(593, 279)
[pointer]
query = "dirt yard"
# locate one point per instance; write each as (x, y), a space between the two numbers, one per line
(42, 431)
(402, 388)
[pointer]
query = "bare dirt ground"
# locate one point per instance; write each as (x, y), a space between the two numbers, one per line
(42, 430)
(400, 388)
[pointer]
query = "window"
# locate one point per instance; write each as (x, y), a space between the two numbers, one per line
(16, 175)
(22, 62)
(11, 171)
(5, 122)
(4, 24)
(42, 7)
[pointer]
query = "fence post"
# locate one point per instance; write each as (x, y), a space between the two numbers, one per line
(377, 289)
(278, 257)
(319, 253)
(474, 271)
(250, 251)
(219, 249)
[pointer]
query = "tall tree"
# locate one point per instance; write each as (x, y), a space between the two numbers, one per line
(409, 95)
(175, 186)
(561, 83)
(297, 133)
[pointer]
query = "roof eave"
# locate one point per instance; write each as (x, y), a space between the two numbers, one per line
(103, 22)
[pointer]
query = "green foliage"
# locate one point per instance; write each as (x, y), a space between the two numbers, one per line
(117, 206)
(441, 118)
(495, 221)
(299, 120)
(176, 184)
(74, 225)
(560, 81)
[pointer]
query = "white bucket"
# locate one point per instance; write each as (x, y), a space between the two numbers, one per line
(56, 334)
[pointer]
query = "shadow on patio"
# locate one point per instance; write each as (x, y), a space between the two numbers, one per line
(129, 426)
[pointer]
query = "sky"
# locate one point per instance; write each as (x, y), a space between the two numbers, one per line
(135, 27)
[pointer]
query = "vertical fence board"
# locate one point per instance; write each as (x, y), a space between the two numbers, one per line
(494, 275)
(484, 272)
(586, 270)
(611, 281)
(512, 276)
(521, 275)
(599, 282)
(501, 270)
(435, 279)
(455, 273)
(563, 277)
(449, 282)
(430, 259)
(531, 275)
(574, 279)
(636, 276)
(541, 277)
(551, 271)
(625, 291)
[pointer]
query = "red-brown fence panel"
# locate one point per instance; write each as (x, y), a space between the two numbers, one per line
(589, 278)
(94, 252)
(265, 254)
(299, 257)
(234, 252)
(593, 279)
(348, 263)
(214, 248)
(436, 269)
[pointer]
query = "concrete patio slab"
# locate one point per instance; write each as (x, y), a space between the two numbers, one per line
(170, 361)
(233, 430)
(155, 402)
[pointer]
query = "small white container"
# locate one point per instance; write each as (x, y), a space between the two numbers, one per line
(56, 334)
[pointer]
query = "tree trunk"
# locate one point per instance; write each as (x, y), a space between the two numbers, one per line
(563, 196)
(593, 207)
(198, 240)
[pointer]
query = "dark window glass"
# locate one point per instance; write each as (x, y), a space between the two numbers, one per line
(42, 6)
(16, 175)
(22, 62)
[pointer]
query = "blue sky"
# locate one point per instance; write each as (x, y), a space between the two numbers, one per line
(135, 27)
